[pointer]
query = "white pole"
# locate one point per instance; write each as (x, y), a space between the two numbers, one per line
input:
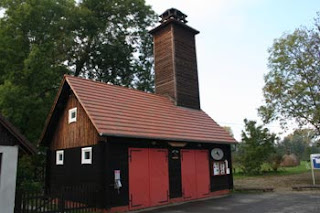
(312, 170)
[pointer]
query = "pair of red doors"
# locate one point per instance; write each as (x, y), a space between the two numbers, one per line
(148, 177)
(195, 173)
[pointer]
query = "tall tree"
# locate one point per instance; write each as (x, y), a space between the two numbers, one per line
(300, 142)
(112, 42)
(40, 40)
(256, 146)
(34, 36)
(229, 130)
(292, 86)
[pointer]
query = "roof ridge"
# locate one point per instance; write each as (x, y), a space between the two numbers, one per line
(128, 89)
(113, 85)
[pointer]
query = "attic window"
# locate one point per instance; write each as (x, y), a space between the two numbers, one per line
(72, 115)
(59, 157)
(86, 155)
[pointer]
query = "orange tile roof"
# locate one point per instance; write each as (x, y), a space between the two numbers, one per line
(119, 111)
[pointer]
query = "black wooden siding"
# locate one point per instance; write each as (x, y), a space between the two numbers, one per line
(224, 181)
(0, 164)
(6, 137)
(113, 155)
(72, 172)
(117, 158)
(175, 184)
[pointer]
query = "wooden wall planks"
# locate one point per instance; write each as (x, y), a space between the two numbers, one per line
(164, 64)
(80, 133)
(176, 71)
(186, 68)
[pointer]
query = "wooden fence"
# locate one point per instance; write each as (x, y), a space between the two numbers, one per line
(71, 199)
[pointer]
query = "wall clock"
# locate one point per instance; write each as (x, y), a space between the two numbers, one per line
(217, 154)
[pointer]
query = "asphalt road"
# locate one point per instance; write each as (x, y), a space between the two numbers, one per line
(252, 203)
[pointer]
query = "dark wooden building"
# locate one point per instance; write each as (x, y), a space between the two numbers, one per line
(12, 145)
(141, 149)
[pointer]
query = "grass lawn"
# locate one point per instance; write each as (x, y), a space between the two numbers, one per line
(267, 171)
(282, 181)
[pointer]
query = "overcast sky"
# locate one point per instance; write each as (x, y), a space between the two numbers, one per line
(232, 50)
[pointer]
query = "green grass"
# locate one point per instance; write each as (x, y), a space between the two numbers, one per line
(267, 171)
(303, 167)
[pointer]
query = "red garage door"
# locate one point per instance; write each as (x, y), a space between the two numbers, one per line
(148, 177)
(159, 179)
(188, 174)
(202, 173)
(138, 178)
(195, 173)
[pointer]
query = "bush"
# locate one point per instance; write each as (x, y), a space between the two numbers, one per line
(274, 161)
(256, 146)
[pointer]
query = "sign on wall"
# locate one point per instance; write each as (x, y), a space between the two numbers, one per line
(220, 168)
(315, 164)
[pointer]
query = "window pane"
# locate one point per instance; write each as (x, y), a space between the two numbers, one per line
(87, 155)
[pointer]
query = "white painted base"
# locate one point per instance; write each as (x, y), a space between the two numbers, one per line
(8, 178)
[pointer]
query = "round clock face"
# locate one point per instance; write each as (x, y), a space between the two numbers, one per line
(217, 153)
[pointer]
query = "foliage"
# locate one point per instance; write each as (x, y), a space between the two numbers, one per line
(292, 86)
(41, 40)
(113, 44)
(302, 143)
(256, 146)
(229, 130)
(274, 161)
(30, 175)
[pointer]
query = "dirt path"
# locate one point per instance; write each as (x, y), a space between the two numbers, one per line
(281, 183)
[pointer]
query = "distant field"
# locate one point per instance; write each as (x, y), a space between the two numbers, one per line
(267, 171)
(281, 181)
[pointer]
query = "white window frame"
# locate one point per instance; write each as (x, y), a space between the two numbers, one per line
(83, 154)
(71, 111)
(58, 161)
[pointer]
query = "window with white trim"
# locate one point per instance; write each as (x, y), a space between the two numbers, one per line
(59, 157)
(72, 115)
(86, 155)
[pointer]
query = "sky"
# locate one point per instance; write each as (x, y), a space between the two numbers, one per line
(232, 50)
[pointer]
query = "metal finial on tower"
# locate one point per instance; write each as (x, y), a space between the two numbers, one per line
(173, 14)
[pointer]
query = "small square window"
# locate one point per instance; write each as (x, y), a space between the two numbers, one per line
(72, 115)
(59, 157)
(86, 155)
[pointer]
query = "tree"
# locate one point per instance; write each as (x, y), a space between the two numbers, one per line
(256, 146)
(300, 142)
(292, 86)
(33, 40)
(274, 161)
(229, 130)
(41, 40)
(112, 42)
